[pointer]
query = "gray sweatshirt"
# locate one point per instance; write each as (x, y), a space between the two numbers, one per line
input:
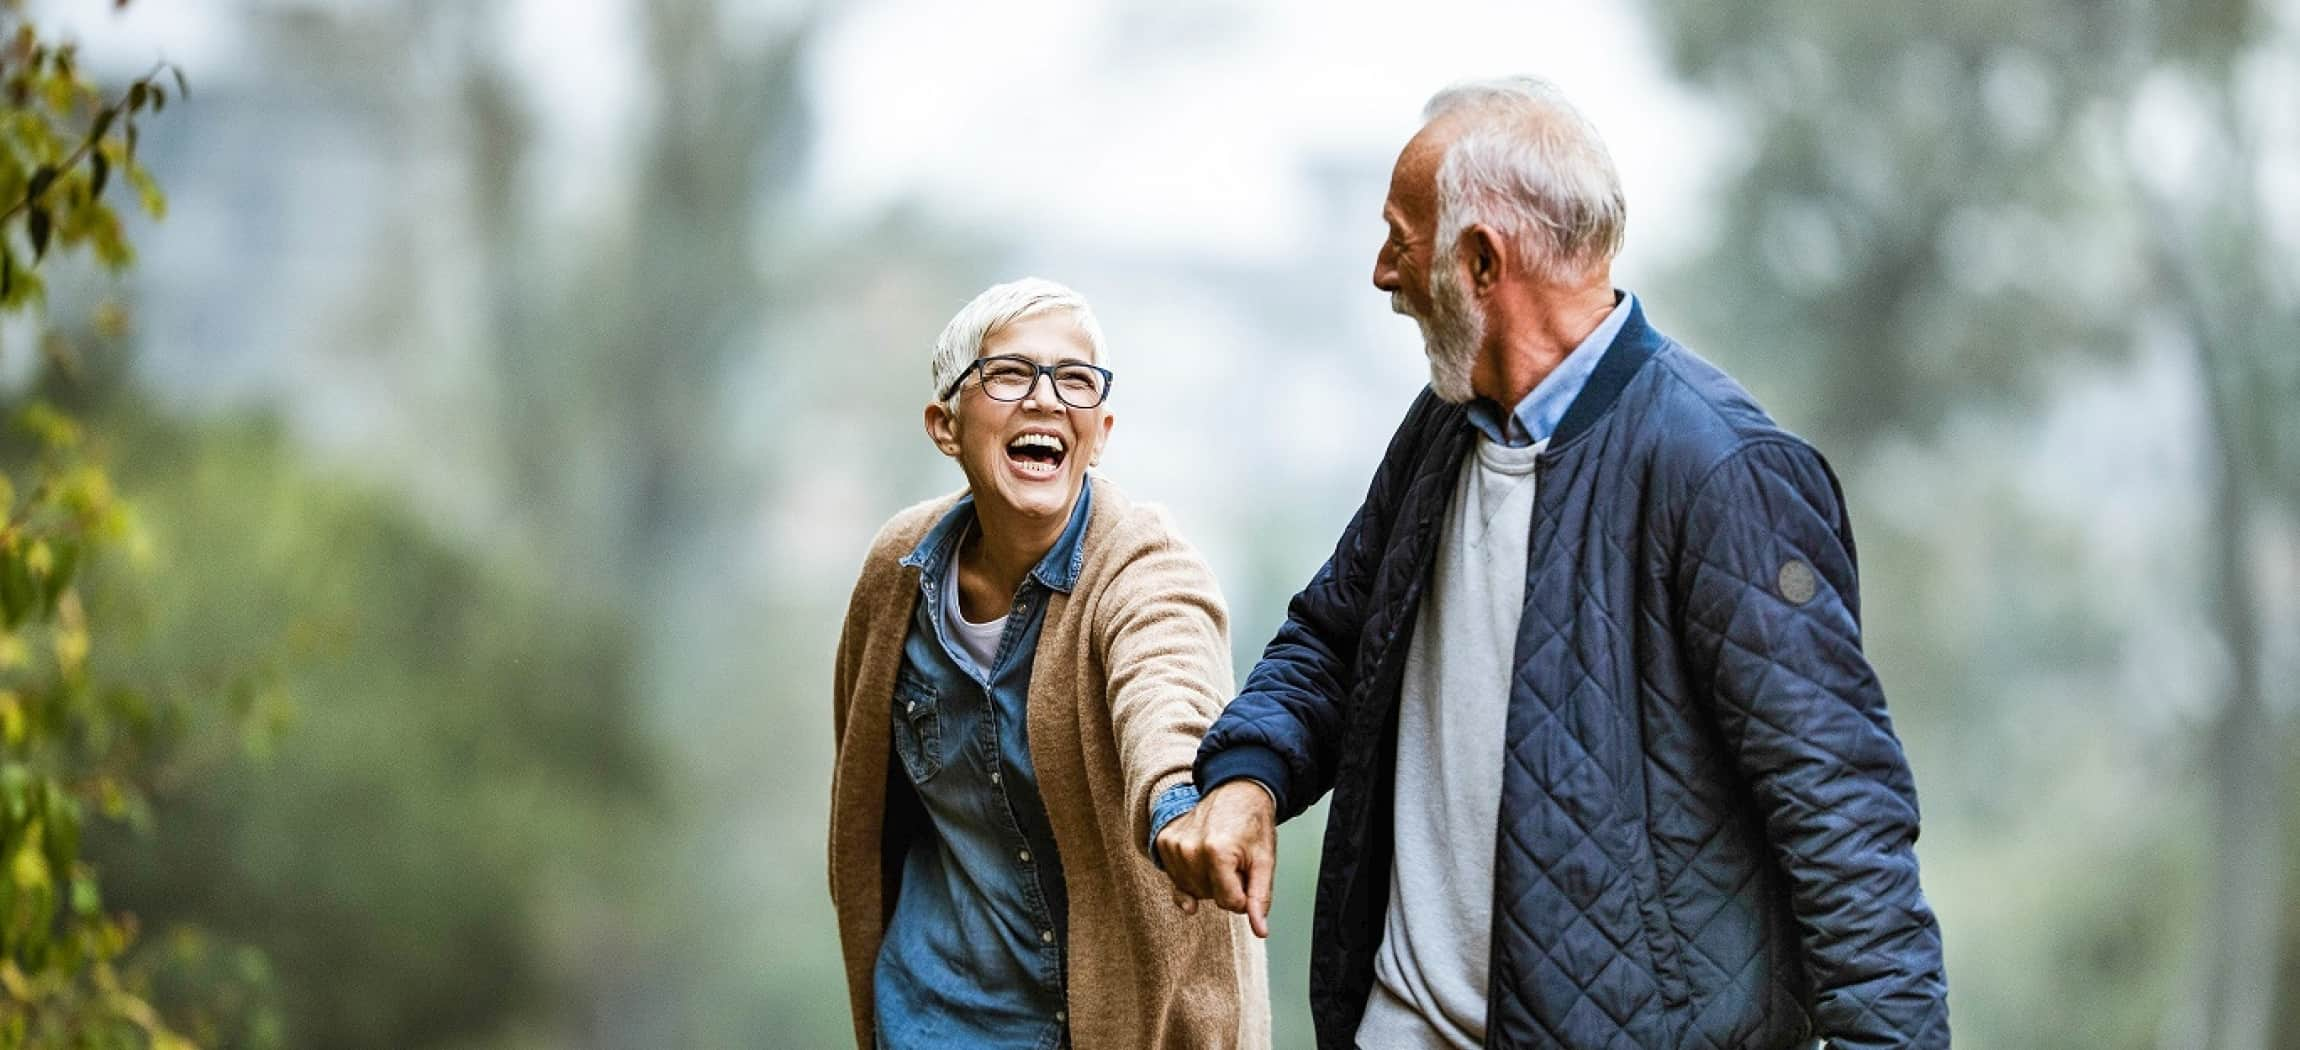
(1430, 973)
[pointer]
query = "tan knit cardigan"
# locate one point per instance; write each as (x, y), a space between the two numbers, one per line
(1132, 666)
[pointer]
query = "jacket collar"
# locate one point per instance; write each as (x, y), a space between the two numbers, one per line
(1636, 343)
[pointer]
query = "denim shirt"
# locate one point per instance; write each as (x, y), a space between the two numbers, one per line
(973, 955)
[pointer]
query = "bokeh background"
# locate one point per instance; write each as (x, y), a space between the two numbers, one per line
(521, 381)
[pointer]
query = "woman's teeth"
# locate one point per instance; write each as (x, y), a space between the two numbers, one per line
(1036, 455)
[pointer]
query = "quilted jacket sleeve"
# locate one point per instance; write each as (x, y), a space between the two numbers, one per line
(1771, 627)
(1285, 727)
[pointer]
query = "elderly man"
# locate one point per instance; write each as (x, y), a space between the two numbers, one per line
(1026, 669)
(1584, 673)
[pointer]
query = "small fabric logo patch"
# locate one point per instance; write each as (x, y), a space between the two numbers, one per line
(1796, 582)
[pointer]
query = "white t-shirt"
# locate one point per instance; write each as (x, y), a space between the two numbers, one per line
(979, 640)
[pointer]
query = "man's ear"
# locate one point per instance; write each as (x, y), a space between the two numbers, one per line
(1480, 252)
(942, 428)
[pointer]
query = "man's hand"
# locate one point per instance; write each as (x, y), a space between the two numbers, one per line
(1226, 851)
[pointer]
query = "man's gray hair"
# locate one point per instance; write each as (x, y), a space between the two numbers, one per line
(998, 306)
(1528, 164)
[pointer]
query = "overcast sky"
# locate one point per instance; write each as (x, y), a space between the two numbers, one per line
(1182, 124)
(1174, 125)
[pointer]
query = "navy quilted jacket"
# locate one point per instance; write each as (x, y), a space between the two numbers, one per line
(1707, 824)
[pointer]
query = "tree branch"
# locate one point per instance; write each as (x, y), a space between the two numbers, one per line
(87, 144)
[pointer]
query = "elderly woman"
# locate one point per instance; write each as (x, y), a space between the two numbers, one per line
(1025, 672)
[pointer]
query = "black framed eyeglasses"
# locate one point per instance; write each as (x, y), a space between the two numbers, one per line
(1006, 377)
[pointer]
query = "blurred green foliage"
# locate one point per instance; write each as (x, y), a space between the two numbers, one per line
(1947, 222)
(78, 743)
(461, 769)
(432, 844)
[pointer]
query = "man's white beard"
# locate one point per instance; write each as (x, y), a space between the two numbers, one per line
(1450, 336)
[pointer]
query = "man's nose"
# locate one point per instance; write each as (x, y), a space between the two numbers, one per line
(1386, 272)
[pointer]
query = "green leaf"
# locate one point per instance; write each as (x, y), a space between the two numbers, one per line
(28, 869)
(36, 224)
(42, 177)
(86, 902)
(155, 203)
(57, 93)
(63, 821)
(16, 790)
(45, 421)
(15, 589)
(67, 564)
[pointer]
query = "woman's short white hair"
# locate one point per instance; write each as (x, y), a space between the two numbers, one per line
(1528, 164)
(998, 306)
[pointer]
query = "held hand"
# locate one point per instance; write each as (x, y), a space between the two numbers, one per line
(1226, 851)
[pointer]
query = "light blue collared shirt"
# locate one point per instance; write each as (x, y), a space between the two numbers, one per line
(1537, 416)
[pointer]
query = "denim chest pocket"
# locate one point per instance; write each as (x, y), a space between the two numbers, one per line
(917, 725)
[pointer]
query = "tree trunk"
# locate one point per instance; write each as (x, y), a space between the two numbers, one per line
(2241, 930)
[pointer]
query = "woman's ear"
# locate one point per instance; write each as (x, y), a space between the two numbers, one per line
(942, 428)
(1108, 420)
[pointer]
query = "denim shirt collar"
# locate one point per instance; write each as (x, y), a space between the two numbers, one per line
(1057, 571)
(1537, 417)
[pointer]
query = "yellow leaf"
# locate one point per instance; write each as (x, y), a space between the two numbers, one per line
(29, 869)
(52, 427)
(111, 318)
(11, 718)
(71, 649)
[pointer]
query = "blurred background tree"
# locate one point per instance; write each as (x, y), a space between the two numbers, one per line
(1946, 218)
(416, 858)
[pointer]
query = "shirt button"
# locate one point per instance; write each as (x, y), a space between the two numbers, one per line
(1025, 855)
(1046, 936)
(1062, 1015)
(994, 778)
(910, 708)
